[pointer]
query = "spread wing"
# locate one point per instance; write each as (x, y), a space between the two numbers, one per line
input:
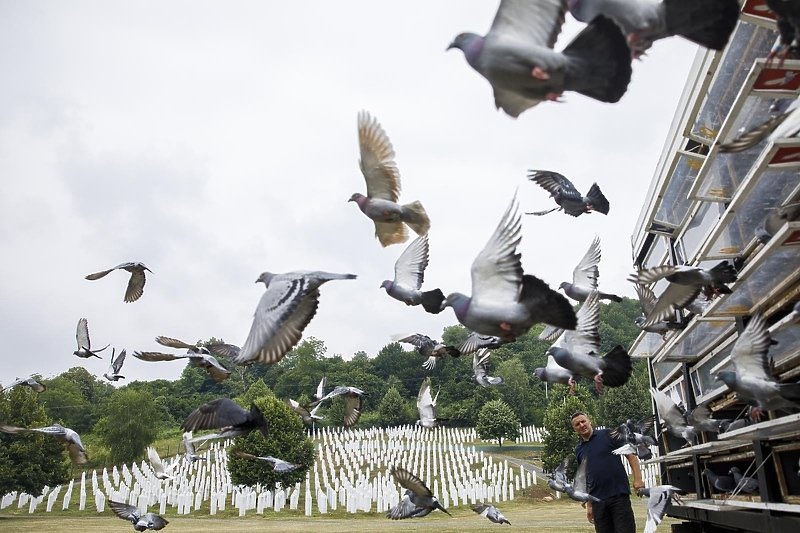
(124, 511)
(404, 509)
(647, 298)
(419, 340)
(116, 364)
(529, 22)
(411, 482)
(98, 275)
(675, 296)
(749, 354)
(426, 405)
(225, 350)
(668, 410)
(497, 271)
(580, 477)
(174, 343)
(553, 182)
(587, 273)
(82, 334)
(135, 286)
(352, 409)
(377, 159)
(585, 338)
(409, 270)
(215, 414)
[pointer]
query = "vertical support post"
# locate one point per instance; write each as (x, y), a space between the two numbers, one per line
(768, 486)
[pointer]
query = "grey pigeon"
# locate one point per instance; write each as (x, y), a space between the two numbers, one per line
(430, 348)
(279, 465)
(719, 483)
(585, 276)
(700, 418)
(319, 394)
(159, 469)
(409, 273)
(491, 512)
(426, 405)
(784, 123)
(284, 311)
(659, 498)
(69, 437)
(577, 350)
(353, 402)
(418, 500)
(569, 200)
(114, 367)
(506, 302)
(307, 416)
(213, 348)
(634, 434)
(577, 489)
(775, 220)
(383, 187)
(226, 415)
(745, 484)
(673, 416)
(476, 341)
(84, 350)
(135, 284)
(751, 377)
(480, 370)
(647, 302)
(199, 358)
(189, 450)
(787, 13)
(554, 373)
(708, 23)
(29, 382)
(516, 56)
(558, 480)
(141, 522)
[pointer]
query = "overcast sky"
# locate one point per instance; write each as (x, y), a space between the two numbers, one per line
(216, 140)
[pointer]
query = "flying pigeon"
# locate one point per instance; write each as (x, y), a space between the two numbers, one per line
(707, 23)
(279, 465)
(476, 341)
(720, 483)
(480, 369)
(554, 373)
(673, 416)
(29, 382)
(141, 522)
(577, 489)
(700, 419)
(320, 392)
(577, 350)
(418, 500)
(226, 415)
(70, 438)
(383, 187)
(516, 56)
(308, 417)
(634, 435)
(198, 357)
(215, 348)
(159, 470)
(285, 309)
(782, 124)
(189, 450)
(409, 272)
(112, 374)
(135, 284)
(429, 348)
(353, 402)
(567, 196)
(84, 350)
(745, 484)
(788, 21)
(647, 302)
(752, 378)
(505, 302)
(426, 405)
(491, 512)
(775, 219)
(659, 497)
(585, 276)
(558, 479)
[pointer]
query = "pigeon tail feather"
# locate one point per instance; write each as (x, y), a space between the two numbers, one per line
(598, 199)
(724, 272)
(417, 219)
(617, 367)
(539, 297)
(432, 301)
(790, 391)
(599, 63)
(608, 296)
(708, 23)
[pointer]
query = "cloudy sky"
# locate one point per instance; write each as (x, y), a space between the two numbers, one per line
(216, 140)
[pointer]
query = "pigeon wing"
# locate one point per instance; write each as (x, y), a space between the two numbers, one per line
(587, 273)
(404, 509)
(174, 343)
(549, 333)
(425, 403)
(420, 341)
(579, 483)
(377, 159)
(225, 350)
(155, 522)
(497, 270)
(409, 270)
(647, 298)
(82, 334)
(675, 296)
(651, 275)
(116, 364)
(668, 410)
(585, 338)
(158, 356)
(749, 354)
(553, 182)
(411, 482)
(560, 473)
(135, 286)
(155, 460)
(528, 23)
(124, 511)
(352, 409)
(215, 414)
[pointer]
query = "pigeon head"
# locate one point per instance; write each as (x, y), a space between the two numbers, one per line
(386, 284)
(564, 286)
(727, 377)
(734, 470)
(459, 302)
(358, 198)
(639, 321)
(265, 278)
(469, 43)
(539, 373)
(582, 10)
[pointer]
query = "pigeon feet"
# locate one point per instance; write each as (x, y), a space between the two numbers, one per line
(598, 383)
(755, 414)
(571, 383)
(554, 97)
(540, 74)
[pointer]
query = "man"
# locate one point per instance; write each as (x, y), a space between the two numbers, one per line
(606, 478)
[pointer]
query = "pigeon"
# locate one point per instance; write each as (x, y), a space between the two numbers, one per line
(226, 415)
(676, 420)
(787, 13)
(409, 272)
(215, 348)
(491, 512)
(575, 490)
(189, 450)
(426, 405)
(558, 479)
(577, 350)
(751, 377)
(308, 417)
(77, 453)
(708, 23)
(700, 419)
(658, 499)
(567, 196)
(782, 124)
(775, 220)
(418, 500)
(353, 402)
(135, 284)
(480, 370)
(476, 341)
(84, 350)
(112, 374)
(505, 302)
(554, 373)
(320, 392)
(745, 484)
(198, 357)
(429, 348)
(141, 522)
(516, 56)
(29, 382)
(285, 309)
(585, 275)
(647, 302)
(720, 483)
(159, 470)
(634, 435)
(383, 187)
(279, 465)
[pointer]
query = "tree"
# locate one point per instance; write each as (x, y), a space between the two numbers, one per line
(131, 420)
(287, 441)
(257, 390)
(516, 389)
(618, 404)
(561, 439)
(497, 420)
(30, 461)
(392, 409)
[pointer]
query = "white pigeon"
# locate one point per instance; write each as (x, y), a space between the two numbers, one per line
(160, 471)
(426, 405)
(112, 374)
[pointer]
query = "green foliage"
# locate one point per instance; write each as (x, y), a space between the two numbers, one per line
(497, 421)
(73, 397)
(28, 461)
(131, 420)
(561, 439)
(392, 409)
(618, 404)
(287, 441)
(257, 390)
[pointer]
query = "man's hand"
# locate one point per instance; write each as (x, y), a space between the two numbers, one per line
(638, 484)
(589, 513)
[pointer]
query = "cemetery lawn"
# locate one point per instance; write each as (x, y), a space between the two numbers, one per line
(526, 514)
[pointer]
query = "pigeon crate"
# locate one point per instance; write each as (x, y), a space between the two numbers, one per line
(786, 458)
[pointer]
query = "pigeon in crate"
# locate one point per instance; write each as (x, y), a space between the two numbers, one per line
(659, 498)
(708, 23)
(426, 405)
(720, 483)
(480, 370)
(77, 453)
(112, 374)
(135, 283)
(746, 484)
(198, 357)
(785, 122)
(554, 373)
(569, 200)
(418, 500)
(409, 273)
(353, 402)
(491, 512)
(585, 276)
(383, 187)
(505, 302)
(284, 311)
(279, 465)
(516, 56)
(159, 470)
(141, 522)
(227, 416)
(84, 350)
(776, 218)
(430, 348)
(28, 382)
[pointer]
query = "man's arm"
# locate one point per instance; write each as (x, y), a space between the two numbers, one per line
(633, 460)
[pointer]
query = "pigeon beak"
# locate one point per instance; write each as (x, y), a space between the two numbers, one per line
(450, 46)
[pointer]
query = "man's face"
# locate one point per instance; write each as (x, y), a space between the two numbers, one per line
(582, 426)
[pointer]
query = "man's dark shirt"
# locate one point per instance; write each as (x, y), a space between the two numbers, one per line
(605, 475)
